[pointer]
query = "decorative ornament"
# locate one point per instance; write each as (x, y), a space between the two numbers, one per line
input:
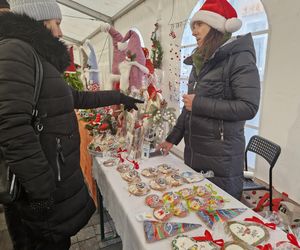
(190, 177)
(232, 245)
(250, 233)
(175, 180)
(165, 169)
(162, 213)
(179, 210)
(171, 198)
(149, 172)
(220, 215)
(139, 189)
(153, 201)
(155, 231)
(183, 242)
(131, 176)
(156, 51)
(259, 221)
(186, 193)
(159, 184)
(123, 168)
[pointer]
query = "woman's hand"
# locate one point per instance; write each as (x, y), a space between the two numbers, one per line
(165, 147)
(188, 101)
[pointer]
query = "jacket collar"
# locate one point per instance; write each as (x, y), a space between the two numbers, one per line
(37, 35)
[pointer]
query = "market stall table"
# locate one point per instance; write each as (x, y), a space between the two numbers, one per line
(124, 207)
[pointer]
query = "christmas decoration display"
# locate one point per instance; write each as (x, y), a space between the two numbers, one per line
(156, 51)
(71, 75)
(220, 215)
(250, 233)
(155, 231)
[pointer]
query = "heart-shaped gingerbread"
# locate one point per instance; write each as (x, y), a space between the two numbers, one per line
(249, 233)
(183, 242)
(237, 246)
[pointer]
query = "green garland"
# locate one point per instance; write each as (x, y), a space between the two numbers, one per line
(73, 79)
(156, 51)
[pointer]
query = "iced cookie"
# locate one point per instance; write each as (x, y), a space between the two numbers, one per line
(123, 168)
(186, 193)
(197, 204)
(165, 169)
(171, 198)
(149, 172)
(153, 201)
(174, 180)
(180, 210)
(131, 176)
(159, 184)
(162, 213)
(138, 189)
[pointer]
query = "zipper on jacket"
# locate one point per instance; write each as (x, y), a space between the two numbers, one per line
(221, 130)
(59, 156)
(195, 85)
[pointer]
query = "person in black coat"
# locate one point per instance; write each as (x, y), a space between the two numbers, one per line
(223, 92)
(55, 203)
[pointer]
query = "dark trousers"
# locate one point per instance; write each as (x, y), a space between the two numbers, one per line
(22, 236)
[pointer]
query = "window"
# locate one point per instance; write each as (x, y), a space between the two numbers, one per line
(254, 19)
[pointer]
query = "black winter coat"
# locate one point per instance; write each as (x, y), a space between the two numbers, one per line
(227, 93)
(49, 165)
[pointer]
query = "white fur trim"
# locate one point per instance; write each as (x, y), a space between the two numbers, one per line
(122, 46)
(211, 18)
(233, 25)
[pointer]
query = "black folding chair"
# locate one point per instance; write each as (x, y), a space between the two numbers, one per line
(270, 151)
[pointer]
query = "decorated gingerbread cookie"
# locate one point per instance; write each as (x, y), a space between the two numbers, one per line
(110, 162)
(162, 213)
(153, 201)
(183, 242)
(165, 169)
(123, 168)
(186, 193)
(248, 233)
(197, 204)
(174, 180)
(138, 189)
(171, 198)
(180, 210)
(237, 246)
(131, 176)
(149, 172)
(202, 191)
(160, 184)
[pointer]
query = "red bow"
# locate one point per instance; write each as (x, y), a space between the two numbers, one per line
(293, 240)
(120, 158)
(152, 91)
(256, 220)
(208, 237)
(120, 150)
(135, 163)
(265, 247)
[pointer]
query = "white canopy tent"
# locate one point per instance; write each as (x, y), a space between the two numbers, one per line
(81, 18)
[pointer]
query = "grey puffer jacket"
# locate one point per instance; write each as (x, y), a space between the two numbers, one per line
(227, 93)
(48, 166)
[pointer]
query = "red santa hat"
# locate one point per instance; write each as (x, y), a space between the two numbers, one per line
(219, 14)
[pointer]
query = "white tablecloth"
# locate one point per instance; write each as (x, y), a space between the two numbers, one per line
(124, 207)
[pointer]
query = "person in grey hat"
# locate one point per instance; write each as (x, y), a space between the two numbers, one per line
(55, 203)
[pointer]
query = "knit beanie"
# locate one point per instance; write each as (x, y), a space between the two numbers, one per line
(218, 14)
(3, 4)
(37, 9)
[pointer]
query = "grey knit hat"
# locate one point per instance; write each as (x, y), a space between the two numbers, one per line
(37, 9)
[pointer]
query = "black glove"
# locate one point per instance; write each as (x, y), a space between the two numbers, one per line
(129, 102)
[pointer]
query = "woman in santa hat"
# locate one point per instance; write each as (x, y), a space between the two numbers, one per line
(223, 92)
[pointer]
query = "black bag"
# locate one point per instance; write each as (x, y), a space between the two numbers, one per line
(9, 185)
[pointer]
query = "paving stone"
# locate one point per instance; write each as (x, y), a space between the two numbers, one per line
(2, 222)
(95, 219)
(74, 239)
(75, 247)
(90, 244)
(86, 233)
(5, 242)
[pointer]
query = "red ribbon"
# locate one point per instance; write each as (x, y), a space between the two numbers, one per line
(256, 220)
(135, 163)
(120, 158)
(120, 150)
(265, 247)
(293, 240)
(208, 237)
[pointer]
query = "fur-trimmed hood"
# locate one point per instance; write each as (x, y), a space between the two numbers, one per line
(37, 35)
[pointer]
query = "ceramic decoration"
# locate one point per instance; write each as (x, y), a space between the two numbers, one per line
(139, 189)
(171, 198)
(155, 231)
(153, 201)
(190, 177)
(249, 233)
(183, 242)
(174, 180)
(159, 184)
(220, 215)
(165, 169)
(162, 213)
(149, 172)
(131, 176)
(123, 168)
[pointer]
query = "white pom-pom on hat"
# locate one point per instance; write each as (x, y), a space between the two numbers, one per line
(233, 25)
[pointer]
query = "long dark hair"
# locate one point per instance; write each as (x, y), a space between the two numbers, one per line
(213, 40)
